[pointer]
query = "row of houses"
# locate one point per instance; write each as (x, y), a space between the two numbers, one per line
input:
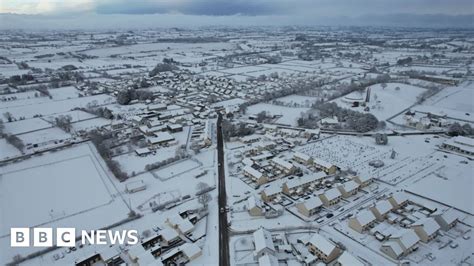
(319, 164)
(307, 183)
(378, 212)
(261, 171)
(329, 252)
(406, 240)
(161, 248)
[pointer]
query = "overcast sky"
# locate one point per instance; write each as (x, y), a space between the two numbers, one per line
(243, 7)
(229, 11)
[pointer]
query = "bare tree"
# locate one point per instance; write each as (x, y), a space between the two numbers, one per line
(64, 122)
(2, 127)
(8, 116)
(203, 198)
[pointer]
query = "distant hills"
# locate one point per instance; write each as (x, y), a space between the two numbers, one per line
(125, 21)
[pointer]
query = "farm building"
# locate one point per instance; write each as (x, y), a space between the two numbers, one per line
(135, 186)
(142, 151)
(161, 138)
(460, 144)
(175, 128)
(156, 107)
(250, 139)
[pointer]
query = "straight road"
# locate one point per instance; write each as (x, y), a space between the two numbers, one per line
(224, 258)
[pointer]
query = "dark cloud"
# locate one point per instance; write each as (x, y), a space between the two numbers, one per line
(286, 7)
(191, 7)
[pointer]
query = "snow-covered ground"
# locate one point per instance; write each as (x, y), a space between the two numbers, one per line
(385, 102)
(289, 115)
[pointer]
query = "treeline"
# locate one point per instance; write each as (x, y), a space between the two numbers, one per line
(124, 97)
(21, 79)
(162, 67)
(192, 39)
(360, 122)
(160, 164)
(348, 119)
(43, 90)
(12, 139)
(100, 111)
(103, 142)
(230, 129)
(404, 61)
(64, 122)
(15, 141)
(457, 130)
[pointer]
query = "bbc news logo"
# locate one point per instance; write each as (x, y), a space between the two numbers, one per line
(66, 237)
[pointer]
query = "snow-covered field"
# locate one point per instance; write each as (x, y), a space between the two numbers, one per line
(28, 110)
(44, 135)
(455, 98)
(298, 100)
(8, 150)
(385, 102)
(289, 115)
(450, 184)
(23, 126)
(30, 191)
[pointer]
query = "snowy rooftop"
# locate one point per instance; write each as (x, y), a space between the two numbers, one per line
(397, 249)
(408, 238)
(347, 259)
(302, 156)
(312, 203)
(322, 163)
(450, 216)
(282, 163)
(365, 217)
(267, 260)
(383, 206)
(263, 240)
(429, 225)
(324, 245)
(253, 172)
(350, 185)
(332, 193)
(298, 181)
(190, 249)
